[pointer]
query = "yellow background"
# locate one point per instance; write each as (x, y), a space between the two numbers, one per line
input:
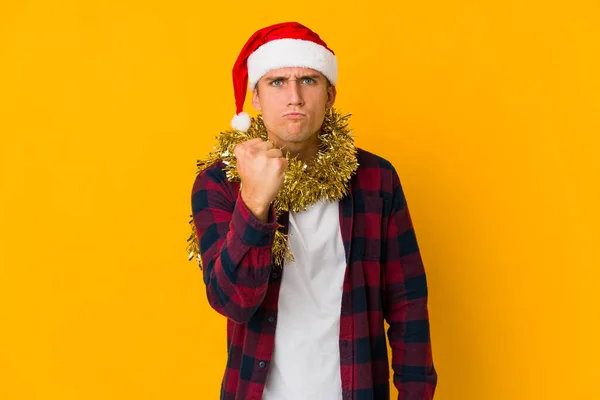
(490, 111)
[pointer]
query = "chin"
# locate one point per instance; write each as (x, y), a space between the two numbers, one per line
(297, 136)
(298, 133)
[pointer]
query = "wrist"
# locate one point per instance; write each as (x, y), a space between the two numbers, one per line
(258, 208)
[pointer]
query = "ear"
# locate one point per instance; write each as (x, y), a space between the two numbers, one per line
(256, 99)
(331, 95)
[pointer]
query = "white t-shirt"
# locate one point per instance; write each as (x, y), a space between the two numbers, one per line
(306, 359)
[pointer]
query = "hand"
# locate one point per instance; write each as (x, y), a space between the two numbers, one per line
(261, 167)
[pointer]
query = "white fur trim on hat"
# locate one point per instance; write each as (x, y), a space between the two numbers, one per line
(241, 122)
(283, 53)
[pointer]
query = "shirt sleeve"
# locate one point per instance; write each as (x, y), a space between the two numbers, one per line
(405, 304)
(235, 246)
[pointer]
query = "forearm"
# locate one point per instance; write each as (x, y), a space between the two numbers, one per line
(405, 305)
(238, 262)
(414, 375)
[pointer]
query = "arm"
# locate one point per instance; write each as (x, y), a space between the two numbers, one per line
(405, 304)
(235, 246)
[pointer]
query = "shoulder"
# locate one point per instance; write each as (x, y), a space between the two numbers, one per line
(212, 189)
(214, 172)
(367, 159)
(374, 173)
(213, 177)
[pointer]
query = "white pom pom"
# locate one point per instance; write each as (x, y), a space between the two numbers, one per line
(241, 122)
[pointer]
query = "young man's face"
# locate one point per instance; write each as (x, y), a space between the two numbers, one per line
(293, 102)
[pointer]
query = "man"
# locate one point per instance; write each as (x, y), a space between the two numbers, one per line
(306, 242)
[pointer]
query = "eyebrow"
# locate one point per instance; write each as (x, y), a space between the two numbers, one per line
(282, 78)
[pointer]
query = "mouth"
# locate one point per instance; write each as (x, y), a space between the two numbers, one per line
(293, 115)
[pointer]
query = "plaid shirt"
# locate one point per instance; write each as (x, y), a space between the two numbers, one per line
(384, 281)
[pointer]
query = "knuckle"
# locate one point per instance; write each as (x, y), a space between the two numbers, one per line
(281, 162)
(238, 149)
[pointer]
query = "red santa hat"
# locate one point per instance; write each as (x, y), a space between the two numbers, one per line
(288, 44)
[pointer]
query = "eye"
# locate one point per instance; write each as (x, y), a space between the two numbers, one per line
(277, 82)
(308, 81)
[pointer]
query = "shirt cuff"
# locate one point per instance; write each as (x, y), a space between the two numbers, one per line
(250, 229)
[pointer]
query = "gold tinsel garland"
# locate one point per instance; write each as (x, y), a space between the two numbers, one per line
(326, 176)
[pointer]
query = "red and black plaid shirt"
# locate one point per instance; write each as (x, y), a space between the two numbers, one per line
(384, 281)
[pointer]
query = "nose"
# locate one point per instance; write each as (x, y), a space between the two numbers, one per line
(294, 93)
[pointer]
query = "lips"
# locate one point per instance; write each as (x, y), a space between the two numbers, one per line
(293, 115)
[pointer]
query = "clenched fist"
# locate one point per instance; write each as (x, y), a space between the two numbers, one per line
(261, 167)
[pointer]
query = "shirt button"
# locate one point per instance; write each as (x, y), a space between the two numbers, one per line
(262, 364)
(274, 275)
(271, 319)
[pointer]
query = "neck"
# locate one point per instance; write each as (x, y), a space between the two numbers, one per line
(305, 151)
